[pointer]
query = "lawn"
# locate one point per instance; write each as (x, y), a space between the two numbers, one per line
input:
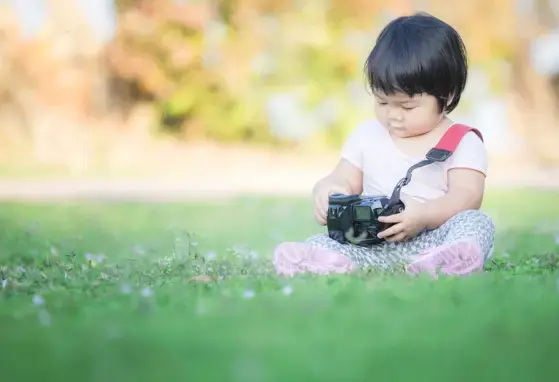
(104, 292)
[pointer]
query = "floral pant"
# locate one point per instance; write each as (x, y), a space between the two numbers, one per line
(471, 226)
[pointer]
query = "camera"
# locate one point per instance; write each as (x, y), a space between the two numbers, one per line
(354, 218)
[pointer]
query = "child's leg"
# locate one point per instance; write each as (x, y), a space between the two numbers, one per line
(291, 258)
(460, 246)
(321, 254)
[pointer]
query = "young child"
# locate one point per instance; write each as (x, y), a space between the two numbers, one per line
(417, 72)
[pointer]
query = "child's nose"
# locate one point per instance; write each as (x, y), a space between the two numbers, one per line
(394, 113)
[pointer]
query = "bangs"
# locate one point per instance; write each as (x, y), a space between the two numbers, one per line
(407, 68)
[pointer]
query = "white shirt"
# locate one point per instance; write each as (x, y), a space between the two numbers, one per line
(371, 149)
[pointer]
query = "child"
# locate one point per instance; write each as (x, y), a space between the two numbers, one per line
(417, 72)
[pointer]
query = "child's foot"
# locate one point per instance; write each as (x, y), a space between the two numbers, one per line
(291, 258)
(455, 259)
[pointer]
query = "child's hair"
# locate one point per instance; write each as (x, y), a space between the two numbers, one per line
(419, 54)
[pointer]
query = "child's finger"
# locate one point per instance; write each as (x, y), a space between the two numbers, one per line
(395, 229)
(396, 218)
(320, 218)
(323, 205)
(320, 208)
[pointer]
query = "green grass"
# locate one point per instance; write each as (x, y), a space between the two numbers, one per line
(500, 325)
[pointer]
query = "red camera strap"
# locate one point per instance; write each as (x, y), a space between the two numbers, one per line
(441, 152)
(450, 141)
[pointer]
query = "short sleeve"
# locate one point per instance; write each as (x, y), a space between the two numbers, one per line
(352, 149)
(470, 153)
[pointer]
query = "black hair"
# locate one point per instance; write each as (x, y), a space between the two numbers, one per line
(419, 54)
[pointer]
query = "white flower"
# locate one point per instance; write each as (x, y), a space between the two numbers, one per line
(38, 300)
(249, 293)
(210, 255)
(126, 289)
(287, 290)
(4, 283)
(146, 292)
(253, 255)
(94, 259)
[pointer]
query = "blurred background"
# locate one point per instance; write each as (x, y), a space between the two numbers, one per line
(179, 98)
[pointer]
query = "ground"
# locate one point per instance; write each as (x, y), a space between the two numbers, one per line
(208, 171)
(107, 291)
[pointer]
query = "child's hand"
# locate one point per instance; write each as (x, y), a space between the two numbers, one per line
(345, 178)
(320, 195)
(409, 222)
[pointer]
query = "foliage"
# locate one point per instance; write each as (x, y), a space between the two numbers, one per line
(271, 70)
(239, 70)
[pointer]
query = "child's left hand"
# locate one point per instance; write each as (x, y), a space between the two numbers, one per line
(409, 222)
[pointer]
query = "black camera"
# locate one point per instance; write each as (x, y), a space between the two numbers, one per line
(354, 218)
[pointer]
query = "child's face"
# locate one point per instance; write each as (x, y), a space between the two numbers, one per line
(407, 116)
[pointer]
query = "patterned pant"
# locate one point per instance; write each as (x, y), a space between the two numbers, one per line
(472, 227)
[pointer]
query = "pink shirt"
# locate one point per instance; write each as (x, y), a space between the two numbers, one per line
(371, 149)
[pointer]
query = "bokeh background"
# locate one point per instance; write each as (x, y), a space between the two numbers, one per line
(194, 98)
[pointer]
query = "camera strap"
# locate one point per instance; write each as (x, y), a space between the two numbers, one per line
(441, 152)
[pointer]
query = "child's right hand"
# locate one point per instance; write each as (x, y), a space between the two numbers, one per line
(322, 190)
(344, 179)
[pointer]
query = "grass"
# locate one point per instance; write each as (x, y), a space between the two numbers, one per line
(103, 292)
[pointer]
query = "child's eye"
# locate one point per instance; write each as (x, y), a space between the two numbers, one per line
(408, 107)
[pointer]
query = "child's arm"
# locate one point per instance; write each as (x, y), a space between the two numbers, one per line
(465, 192)
(467, 169)
(346, 178)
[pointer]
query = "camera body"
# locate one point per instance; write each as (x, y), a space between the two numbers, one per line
(354, 218)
